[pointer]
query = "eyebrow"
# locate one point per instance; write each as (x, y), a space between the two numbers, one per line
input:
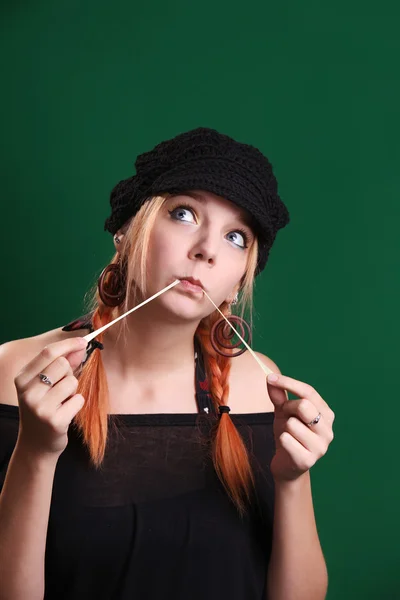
(246, 220)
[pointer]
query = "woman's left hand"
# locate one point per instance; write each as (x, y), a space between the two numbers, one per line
(298, 445)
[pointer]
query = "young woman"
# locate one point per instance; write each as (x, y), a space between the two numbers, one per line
(158, 462)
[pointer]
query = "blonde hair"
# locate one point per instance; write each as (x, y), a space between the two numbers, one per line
(229, 452)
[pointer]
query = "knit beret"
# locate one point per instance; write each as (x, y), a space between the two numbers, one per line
(207, 160)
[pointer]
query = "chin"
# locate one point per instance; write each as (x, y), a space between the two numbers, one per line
(184, 308)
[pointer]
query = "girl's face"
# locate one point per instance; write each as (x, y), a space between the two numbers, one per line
(200, 235)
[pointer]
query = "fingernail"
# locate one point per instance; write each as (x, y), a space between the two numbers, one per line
(273, 377)
(82, 342)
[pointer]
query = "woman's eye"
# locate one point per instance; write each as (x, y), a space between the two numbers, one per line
(180, 212)
(238, 238)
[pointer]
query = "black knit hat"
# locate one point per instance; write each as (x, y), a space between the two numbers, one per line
(206, 160)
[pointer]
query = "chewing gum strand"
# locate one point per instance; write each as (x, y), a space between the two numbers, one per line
(94, 334)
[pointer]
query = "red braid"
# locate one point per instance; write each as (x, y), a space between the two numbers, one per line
(229, 453)
(92, 419)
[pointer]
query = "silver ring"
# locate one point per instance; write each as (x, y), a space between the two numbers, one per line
(316, 420)
(45, 379)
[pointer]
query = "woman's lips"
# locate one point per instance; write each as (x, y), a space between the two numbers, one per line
(191, 287)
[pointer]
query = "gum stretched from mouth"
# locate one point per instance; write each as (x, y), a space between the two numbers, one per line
(94, 334)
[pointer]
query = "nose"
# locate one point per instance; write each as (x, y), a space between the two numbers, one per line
(205, 249)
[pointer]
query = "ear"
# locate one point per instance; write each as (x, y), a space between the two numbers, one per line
(119, 237)
(118, 240)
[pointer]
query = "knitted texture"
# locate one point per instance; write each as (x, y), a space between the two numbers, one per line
(207, 160)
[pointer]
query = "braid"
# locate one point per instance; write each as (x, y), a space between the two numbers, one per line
(219, 369)
(92, 419)
(229, 452)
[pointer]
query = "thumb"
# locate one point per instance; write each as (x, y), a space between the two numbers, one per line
(76, 358)
(278, 395)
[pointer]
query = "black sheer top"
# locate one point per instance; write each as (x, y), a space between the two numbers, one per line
(155, 522)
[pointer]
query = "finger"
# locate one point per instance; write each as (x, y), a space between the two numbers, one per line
(303, 409)
(277, 395)
(56, 372)
(46, 357)
(60, 393)
(70, 408)
(309, 438)
(75, 359)
(307, 411)
(301, 389)
(301, 457)
(321, 430)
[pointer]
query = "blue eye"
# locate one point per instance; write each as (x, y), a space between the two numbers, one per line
(241, 234)
(180, 211)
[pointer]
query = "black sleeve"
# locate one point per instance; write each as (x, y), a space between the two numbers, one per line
(9, 423)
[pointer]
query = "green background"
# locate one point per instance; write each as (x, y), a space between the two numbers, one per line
(89, 85)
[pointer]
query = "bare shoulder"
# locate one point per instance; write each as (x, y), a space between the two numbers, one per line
(15, 354)
(248, 387)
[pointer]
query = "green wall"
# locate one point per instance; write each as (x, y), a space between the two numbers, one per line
(89, 85)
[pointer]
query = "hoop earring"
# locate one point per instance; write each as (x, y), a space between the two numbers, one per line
(111, 284)
(221, 334)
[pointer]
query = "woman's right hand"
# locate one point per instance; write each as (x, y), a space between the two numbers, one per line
(46, 412)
